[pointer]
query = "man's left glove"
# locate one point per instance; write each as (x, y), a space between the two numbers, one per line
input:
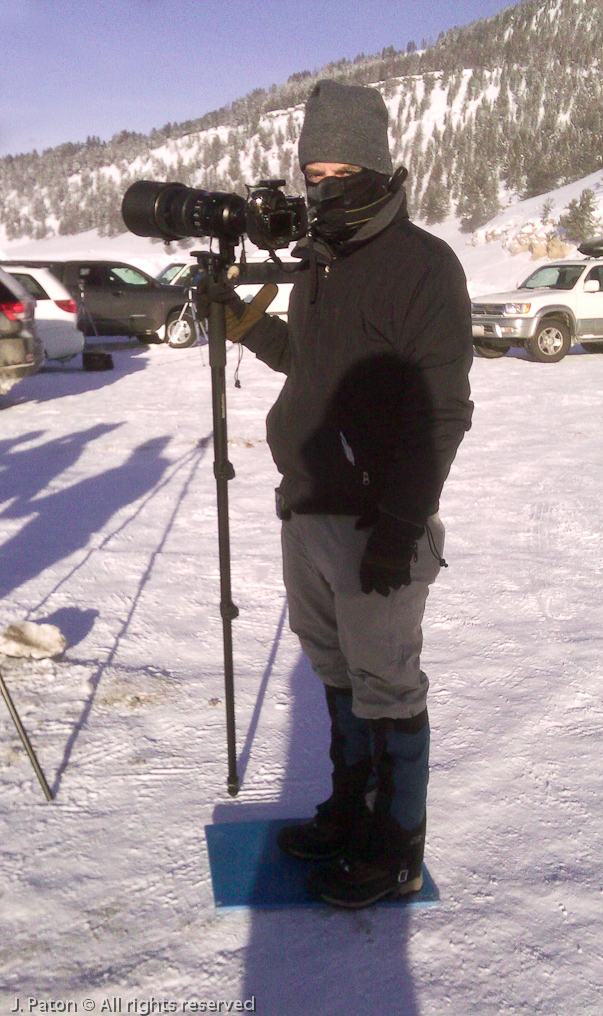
(388, 555)
(240, 316)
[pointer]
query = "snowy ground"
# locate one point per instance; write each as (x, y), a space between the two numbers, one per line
(109, 531)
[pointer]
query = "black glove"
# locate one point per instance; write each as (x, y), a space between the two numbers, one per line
(390, 549)
(209, 292)
(240, 317)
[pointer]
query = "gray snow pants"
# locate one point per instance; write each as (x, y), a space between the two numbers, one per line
(366, 642)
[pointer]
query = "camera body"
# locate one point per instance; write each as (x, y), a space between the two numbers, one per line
(172, 211)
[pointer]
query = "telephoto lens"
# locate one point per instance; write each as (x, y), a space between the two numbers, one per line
(172, 211)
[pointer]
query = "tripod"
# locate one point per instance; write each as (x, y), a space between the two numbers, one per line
(92, 359)
(187, 328)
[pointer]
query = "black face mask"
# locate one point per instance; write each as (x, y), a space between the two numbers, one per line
(339, 205)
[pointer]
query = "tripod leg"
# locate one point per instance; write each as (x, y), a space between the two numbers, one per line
(223, 472)
(24, 738)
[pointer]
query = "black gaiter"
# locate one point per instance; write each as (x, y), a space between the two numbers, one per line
(339, 205)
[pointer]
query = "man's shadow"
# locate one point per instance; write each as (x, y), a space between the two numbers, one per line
(318, 960)
(61, 523)
(28, 468)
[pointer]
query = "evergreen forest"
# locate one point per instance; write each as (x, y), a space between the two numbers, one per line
(508, 106)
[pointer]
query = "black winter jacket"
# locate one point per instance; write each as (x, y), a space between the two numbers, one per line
(377, 352)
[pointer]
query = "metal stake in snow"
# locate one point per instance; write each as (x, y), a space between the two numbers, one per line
(223, 472)
(26, 742)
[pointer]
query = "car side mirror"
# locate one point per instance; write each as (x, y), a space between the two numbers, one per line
(592, 286)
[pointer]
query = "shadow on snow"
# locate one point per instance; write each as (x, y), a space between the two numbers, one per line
(57, 381)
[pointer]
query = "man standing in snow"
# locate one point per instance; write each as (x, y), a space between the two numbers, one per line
(377, 351)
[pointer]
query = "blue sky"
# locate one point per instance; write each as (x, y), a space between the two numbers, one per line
(72, 68)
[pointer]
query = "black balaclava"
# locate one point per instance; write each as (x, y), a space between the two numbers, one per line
(345, 124)
(339, 205)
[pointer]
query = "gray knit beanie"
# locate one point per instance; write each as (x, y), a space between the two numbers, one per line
(347, 124)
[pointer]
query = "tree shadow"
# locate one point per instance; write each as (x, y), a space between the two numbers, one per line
(80, 620)
(316, 959)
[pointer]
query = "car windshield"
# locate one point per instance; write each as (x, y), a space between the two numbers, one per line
(127, 275)
(553, 277)
(168, 273)
(190, 275)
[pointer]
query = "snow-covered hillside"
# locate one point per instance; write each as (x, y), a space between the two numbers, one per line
(533, 224)
(498, 255)
(508, 106)
(502, 253)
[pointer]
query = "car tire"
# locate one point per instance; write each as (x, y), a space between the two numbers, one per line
(592, 347)
(487, 351)
(180, 331)
(550, 342)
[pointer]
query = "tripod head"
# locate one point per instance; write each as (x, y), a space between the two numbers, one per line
(216, 263)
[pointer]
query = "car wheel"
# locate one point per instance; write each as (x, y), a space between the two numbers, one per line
(180, 331)
(489, 352)
(550, 342)
(592, 347)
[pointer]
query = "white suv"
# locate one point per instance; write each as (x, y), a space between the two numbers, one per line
(558, 304)
(56, 311)
(21, 352)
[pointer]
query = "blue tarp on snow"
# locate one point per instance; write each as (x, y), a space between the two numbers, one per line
(249, 871)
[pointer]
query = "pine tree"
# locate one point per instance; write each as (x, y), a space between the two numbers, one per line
(579, 222)
(291, 128)
(265, 137)
(256, 162)
(435, 205)
(546, 211)
(38, 213)
(285, 160)
(479, 201)
(234, 169)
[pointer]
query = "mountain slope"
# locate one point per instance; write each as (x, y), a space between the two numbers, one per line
(506, 107)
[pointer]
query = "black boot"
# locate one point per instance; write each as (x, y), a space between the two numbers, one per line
(328, 833)
(359, 878)
(384, 857)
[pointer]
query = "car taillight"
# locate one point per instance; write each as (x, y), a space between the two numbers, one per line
(16, 310)
(69, 305)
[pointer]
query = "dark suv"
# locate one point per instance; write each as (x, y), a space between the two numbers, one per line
(116, 299)
(21, 350)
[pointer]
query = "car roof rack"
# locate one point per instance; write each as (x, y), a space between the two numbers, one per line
(592, 248)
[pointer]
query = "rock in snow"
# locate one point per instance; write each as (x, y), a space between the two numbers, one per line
(33, 640)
